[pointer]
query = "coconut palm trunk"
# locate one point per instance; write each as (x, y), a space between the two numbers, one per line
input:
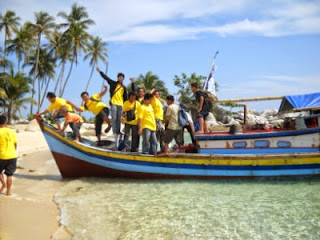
(60, 77)
(88, 83)
(67, 79)
(35, 72)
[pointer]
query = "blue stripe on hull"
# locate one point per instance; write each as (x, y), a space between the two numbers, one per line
(257, 135)
(258, 150)
(182, 169)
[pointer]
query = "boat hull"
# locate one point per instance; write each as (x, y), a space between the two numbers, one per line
(78, 160)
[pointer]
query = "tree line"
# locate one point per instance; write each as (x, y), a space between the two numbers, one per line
(45, 48)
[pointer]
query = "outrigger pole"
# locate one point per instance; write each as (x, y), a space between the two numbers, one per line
(250, 99)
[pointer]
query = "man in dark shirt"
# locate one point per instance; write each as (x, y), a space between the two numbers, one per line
(203, 108)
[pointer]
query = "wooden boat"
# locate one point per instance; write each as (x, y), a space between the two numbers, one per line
(222, 155)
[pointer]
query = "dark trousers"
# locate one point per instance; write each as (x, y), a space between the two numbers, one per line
(188, 127)
(134, 138)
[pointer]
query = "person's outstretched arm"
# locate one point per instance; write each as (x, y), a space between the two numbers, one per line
(104, 91)
(74, 106)
(105, 76)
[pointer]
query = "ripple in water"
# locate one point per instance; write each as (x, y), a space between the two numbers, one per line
(131, 209)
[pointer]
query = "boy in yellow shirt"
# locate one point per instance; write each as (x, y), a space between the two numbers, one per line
(56, 104)
(74, 120)
(8, 155)
(131, 106)
(97, 107)
(147, 126)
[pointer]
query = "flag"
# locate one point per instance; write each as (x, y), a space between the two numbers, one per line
(209, 83)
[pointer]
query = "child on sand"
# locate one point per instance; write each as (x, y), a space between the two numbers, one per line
(8, 155)
(74, 120)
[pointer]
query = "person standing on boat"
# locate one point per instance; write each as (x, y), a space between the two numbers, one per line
(8, 155)
(97, 107)
(140, 94)
(189, 126)
(56, 104)
(147, 126)
(118, 95)
(203, 108)
(158, 114)
(131, 109)
(173, 129)
(74, 120)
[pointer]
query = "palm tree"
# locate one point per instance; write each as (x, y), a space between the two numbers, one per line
(44, 70)
(75, 34)
(21, 44)
(16, 86)
(61, 50)
(78, 15)
(8, 21)
(97, 50)
(151, 81)
(43, 25)
(4, 63)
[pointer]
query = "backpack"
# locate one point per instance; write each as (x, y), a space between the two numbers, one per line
(182, 117)
(92, 99)
(210, 96)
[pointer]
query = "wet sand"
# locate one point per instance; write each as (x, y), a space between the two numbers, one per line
(30, 212)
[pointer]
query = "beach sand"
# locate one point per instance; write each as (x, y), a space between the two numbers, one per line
(30, 213)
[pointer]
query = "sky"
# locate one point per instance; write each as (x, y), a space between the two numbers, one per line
(266, 48)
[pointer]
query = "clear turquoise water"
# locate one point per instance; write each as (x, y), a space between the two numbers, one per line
(131, 209)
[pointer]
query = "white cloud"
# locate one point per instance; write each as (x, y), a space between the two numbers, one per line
(167, 20)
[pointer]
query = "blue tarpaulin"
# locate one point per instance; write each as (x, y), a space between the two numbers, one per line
(300, 101)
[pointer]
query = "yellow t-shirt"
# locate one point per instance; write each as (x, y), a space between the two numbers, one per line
(93, 106)
(117, 98)
(129, 106)
(8, 140)
(147, 117)
(73, 118)
(58, 103)
(141, 99)
(157, 107)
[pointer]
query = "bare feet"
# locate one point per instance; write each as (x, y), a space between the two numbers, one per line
(2, 188)
(8, 194)
(199, 132)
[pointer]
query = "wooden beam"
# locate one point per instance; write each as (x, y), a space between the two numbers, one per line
(251, 99)
(306, 109)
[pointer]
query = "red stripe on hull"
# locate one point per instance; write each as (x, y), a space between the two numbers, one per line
(74, 168)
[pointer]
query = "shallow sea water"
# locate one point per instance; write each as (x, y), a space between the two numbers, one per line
(94, 208)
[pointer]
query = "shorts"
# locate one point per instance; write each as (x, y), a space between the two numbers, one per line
(9, 166)
(103, 113)
(203, 114)
(76, 128)
(170, 134)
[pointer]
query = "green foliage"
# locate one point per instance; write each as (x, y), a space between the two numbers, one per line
(231, 105)
(186, 96)
(151, 81)
(15, 86)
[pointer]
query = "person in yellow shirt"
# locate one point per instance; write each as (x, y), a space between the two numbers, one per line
(74, 120)
(97, 107)
(56, 104)
(131, 109)
(8, 155)
(140, 94)
(147, 126)
(158, 114)
(118, 95)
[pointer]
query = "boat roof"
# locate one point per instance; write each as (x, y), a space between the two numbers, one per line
(291, 102)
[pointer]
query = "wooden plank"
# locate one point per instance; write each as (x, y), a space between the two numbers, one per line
(251, 99)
